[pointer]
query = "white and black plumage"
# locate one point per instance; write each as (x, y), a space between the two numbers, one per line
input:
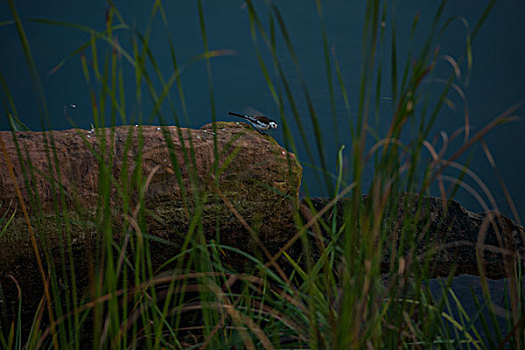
(259, 122)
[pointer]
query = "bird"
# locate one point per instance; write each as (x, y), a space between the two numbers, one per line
(259, 122)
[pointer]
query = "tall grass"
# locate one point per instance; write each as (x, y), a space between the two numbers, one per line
(334, 295)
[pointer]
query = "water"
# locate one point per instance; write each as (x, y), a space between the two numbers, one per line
(497, 80)
(464, 289)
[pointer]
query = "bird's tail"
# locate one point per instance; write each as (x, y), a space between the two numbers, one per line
(237, 115)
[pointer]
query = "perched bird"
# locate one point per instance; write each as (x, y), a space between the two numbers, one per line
(259, 122)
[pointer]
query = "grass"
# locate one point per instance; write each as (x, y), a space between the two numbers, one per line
(335, 294)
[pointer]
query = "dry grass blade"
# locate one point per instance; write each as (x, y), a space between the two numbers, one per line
(506, 191)
(214, 331)
(513, 332)
(45, 280)
(251, 231)
(482, 246)
(239, 318)
(312, 222)
(436, 159)
(463, 97)
(505, 117)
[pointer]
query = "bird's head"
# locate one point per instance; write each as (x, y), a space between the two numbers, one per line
(272, 124)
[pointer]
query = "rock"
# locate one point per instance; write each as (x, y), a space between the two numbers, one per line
(258, 163)
(252, 179)
(251, 173)
(450, 235)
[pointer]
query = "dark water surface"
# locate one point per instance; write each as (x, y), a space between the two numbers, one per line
(465, 290)
(497, 80)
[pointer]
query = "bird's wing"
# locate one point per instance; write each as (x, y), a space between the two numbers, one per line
(262, 119)
(249, 110)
